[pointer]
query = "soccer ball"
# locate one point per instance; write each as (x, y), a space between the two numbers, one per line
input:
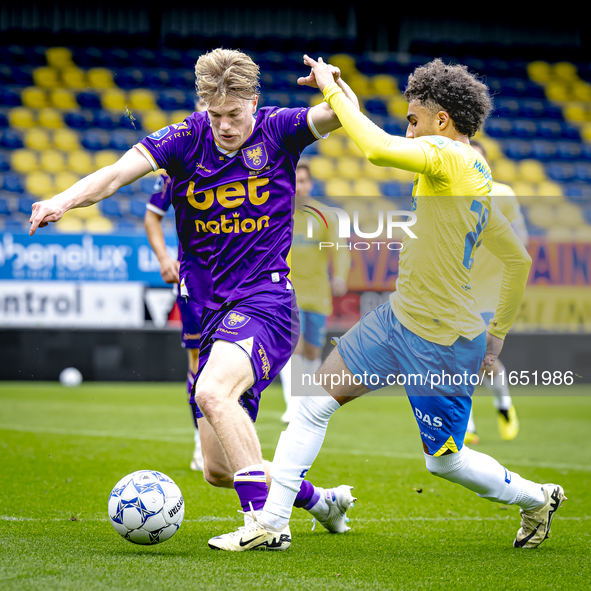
(70, 377)
(146, 507)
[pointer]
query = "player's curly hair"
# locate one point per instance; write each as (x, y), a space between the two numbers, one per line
(451, 88)
(224, 73)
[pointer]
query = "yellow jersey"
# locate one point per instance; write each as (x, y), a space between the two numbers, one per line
(310, 266)
(455, 215)
(487, 269)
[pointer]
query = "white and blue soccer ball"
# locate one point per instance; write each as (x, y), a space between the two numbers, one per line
(146, 507)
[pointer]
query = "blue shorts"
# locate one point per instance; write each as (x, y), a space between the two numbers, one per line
(487, 317)
(313, 327)
(191, 313)
(265, 325)
(439, 380)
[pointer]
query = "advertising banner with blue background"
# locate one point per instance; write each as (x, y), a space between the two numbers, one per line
(81, 257)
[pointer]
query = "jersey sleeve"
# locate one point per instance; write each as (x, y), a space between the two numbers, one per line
(161, 197)
(292, 129)
(502, 241)
(444, 160)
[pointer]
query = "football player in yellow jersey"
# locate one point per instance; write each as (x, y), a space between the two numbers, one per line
(486, 275)
(430, 333)
(314, 286)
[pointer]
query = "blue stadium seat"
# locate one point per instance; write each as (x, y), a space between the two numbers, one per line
(126, 123)
(4, 162)
(531, 109)
(524, 128)
(144, 57)
(560, 172)
(517, 149)
(156, 78)
(11, 139)
(549, 129)
(4, 209)
(182, 79)
(88, 57)
(137, 208)
(116, 57)
(79, 119)
(89, 100)
(586, 151)
(13, 183)
(93, 140)
(506, 107)
(552, 111)
(120, 141)
(543, 150)
(170, 58)
(9, 97)
(499, 128)
(126, 225)
(14, 225)
(105, 119)
(391, 189)
(111, 208)
(147, 185)
(171, 100)
(570, 132)
(297, 103)
(392, 127)
(376, 107)
(583, 172)
(25, 205)
(318, 189)
(568, 150)
(129, 78)
(126, 190)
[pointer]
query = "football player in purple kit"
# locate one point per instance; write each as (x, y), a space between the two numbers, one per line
(233, 182)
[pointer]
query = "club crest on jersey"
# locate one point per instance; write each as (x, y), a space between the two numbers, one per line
(235, 320)
(256, 156)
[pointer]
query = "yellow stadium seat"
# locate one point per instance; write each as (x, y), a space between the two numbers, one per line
(360, 84)
(504, 171)
(59, 57)
(569, 215)
(345, 62)
(51, 118)
(179, 115)
(141, 99)
(86, 213)
(581, 91)
(63, 98)
(575, 111)
(316, 99)
(114, 99)
(24, 161)
(565, 71)
(37, 139)
(81, 162)
(402, 176)
(560, 234)
(539, 71)
(321, 168)
(39, 183)
(348, 167)
(52, 161)
(99, 225)
(385, 84)
(337, 187)
(154, 119)
(64, 180)
(70, 224)
(491, 147)
(365, 187)
(549, 189)
(100, 78)
(557, 91)
(586, 131)
(353, 148)
(46, 77)
(523, 190)
(583, 233)
(34, 97)
(542, 215)
(74, 78)
(333, 146)
(65, 139)
(532, 171)
(398, 107)
(21, 117)
(377, 173)
(106, 158)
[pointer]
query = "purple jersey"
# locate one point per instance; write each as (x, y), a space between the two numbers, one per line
(234, 211)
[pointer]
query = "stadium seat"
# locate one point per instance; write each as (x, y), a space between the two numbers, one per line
(147, 184)
(524, 128)
(74, 78)
(46, 77)
(154, 120)
(95, 140)
(499, 128)
(24, 161)
(38, 139)
(89, 100)
(21, 117)
(64, 180)
(25, 205)
(137, 208)
(531, 109)
(100, 78)
(34, 97)
(171, 100)
(63, 98)
(364, 187)
(59, 57)
(582, 172)
(111, 208)
(391, 189)
(120, 141)
(337, 187)
(543, 150)
(517, 149)
(532, 171)
(13, 184)
(81, 162)
(4, 162)
(106, 158)
(568, 150)
(107, 119)
(156, 79)
(114, 99)
(39, 183)
(376, 106)
(50, 118)
(549, 129)
(4, 209)
(348, 167)
(52, 161)
(10, 97)
(376, 173)
(560, 172)
(65, 139)
(79, 119)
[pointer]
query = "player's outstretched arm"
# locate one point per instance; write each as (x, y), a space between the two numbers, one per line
(169, 268)
(91, 189)
(378, 147)
(324, 118)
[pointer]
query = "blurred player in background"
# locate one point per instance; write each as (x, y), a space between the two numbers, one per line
(315, 285)
(485, 282)
(232, 173)
(190, 311)
(430, 325)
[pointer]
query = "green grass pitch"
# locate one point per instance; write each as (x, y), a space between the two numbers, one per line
(62, 450)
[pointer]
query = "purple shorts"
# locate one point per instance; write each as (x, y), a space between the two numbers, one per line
(265, 325)
(191, 313)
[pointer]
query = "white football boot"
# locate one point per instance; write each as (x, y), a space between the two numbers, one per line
(331, 509)
(535, 523)
(252, 536)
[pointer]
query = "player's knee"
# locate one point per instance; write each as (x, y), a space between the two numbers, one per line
(208, 399)
(217, 476)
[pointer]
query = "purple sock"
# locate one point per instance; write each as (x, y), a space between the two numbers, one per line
(251, 486)
(307, 497)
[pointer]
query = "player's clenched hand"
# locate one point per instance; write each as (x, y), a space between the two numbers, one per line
(169, 269)
(44, 212)
(320, 75)
(493, 349)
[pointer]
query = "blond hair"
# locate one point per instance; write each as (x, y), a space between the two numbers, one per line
(224, 73)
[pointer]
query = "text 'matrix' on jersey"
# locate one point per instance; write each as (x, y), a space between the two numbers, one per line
(234, 211)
